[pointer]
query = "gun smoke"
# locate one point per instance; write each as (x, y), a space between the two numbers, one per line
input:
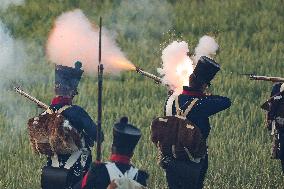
(177, 65)
(75, 38)
(6, 3)
(207, 46)
(140, 20)
(14, 61)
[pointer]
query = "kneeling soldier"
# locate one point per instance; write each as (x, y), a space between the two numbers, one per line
(101, 175)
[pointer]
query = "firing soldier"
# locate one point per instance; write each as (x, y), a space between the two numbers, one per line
(275, 121)
(102, 175)
(66, 83)
(188, 173)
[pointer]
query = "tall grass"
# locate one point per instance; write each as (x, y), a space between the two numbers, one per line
(250, 34)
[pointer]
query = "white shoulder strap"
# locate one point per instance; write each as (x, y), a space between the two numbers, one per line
(113, 171)
(72, 159)
(132, 173)
(54, 161)
(169, 105)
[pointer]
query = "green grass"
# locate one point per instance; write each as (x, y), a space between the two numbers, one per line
(250, 35)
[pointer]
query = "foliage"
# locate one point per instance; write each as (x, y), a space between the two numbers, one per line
(250, 34)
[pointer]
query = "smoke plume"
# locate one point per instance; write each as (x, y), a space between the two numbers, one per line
(141, 20)
(176, 66)
(12, 56)
(6, 3)
(12, 62)
(74, 38)
(207, 46)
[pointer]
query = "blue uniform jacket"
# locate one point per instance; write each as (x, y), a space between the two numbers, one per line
(203, 108)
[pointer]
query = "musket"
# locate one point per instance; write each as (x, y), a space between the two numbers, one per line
(157, 79)
(31, 98)
(264, 78)
(100, 88)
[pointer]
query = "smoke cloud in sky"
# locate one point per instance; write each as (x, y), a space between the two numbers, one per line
(141, 20)
(4, 4)
(75, 38)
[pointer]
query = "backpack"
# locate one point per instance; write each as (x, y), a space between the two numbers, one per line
(176, 136)
(275, 108)
(50, 133)
(123, 181)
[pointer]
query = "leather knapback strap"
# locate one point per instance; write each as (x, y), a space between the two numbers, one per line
(59, 111)
(180, 112)
(63, 108)
(190, 106)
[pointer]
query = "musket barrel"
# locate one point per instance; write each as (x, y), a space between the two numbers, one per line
(100, 89)
(149, 75)
(266, 78)
(33, 99)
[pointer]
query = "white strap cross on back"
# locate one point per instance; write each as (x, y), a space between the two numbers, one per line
(69, 163)
(114, 172)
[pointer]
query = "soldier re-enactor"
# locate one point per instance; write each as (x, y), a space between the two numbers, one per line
(275, 121)
(66, 83)
(183, 174)
(100, 175)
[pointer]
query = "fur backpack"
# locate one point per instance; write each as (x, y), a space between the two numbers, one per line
(50, 133)
(178, 137)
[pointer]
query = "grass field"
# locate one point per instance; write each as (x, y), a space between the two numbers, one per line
(251, 38)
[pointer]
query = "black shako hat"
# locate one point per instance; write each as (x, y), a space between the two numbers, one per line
(67, 79)
(205, 70)
(125, 137)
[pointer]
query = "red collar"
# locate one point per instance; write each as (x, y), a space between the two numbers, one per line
(120, 158)
(63, 100)
(193, 93)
